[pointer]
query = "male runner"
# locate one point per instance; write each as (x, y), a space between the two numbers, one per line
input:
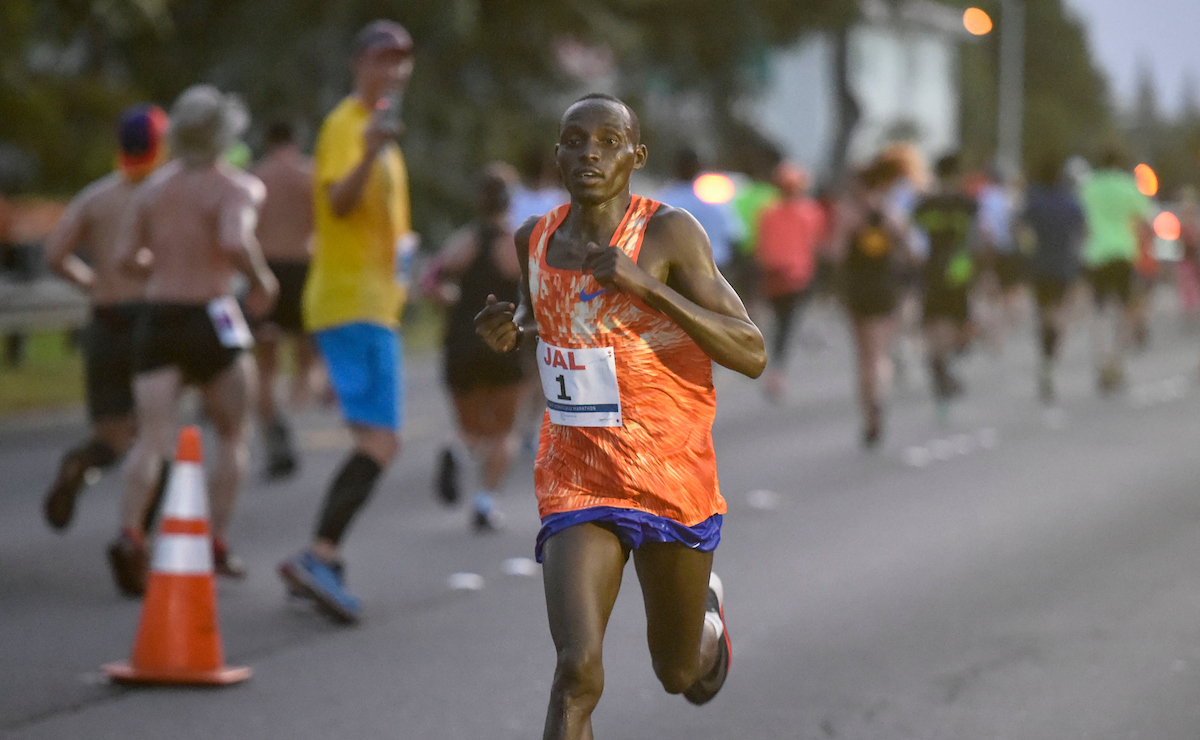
(190, 230)
(626, 336)
(89, 228)
(352, 299)
(948, 219)
(1117, 213)
(285, 225)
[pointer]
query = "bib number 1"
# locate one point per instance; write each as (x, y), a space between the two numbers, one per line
(580, 385)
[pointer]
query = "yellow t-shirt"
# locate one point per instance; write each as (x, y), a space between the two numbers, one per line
(352, 277)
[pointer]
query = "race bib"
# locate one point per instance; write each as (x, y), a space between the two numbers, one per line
(230, 325)
(580, 385)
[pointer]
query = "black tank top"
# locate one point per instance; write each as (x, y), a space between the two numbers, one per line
(481, 278)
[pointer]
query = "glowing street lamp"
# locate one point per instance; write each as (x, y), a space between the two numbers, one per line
(1147, 180)
(1167, 227)
(977, 22)
(713, 188)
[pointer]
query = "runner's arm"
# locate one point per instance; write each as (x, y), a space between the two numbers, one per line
(694, 293)
(236, 231)
(66, 238)
(500, 324)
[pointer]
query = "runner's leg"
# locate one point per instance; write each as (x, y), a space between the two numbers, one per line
(582, 568)
(674, 579)
(228, 401)
(156, 395)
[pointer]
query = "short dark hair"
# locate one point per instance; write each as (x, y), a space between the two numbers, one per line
(1113, 157)
(687, 163)
(279, 133)
(948, 166)
(635, 126)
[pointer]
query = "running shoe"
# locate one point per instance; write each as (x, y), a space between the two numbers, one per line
(129, 564)
(226, 563)
(447, 478)
(281, 459)
(307, 575)
(707, 687)
(59, 506)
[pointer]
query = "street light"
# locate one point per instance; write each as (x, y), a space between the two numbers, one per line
(1011, 117)
(1011, 106)
(977, 22)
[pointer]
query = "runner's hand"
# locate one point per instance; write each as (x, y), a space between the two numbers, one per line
(495, 325)
(262, 295)
(613, 269)
(379, 134)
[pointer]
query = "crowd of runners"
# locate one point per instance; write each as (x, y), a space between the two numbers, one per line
(581, 320)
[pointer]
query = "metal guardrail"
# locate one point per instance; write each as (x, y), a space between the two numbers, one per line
(42, 303)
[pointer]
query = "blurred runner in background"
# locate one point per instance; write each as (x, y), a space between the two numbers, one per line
(487, 388)
(719, 220)
(285, 228)
(1055, 224)
(1003, 268)
(871, 238)
(1117, 214)
(83, 250)
(190, 230)
(947, 220)
(1187, 277)
(790, 231)
(353, 298)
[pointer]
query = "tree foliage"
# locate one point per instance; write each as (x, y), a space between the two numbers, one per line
(488, 82)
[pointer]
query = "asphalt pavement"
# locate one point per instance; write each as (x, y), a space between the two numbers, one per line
(1000, 572)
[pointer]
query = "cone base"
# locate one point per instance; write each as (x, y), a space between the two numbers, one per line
(125, 673)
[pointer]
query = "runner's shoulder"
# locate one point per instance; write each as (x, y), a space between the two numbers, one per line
(243, 184)
(525, 232)
(676, 227)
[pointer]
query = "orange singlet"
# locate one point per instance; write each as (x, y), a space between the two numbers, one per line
(654, 450)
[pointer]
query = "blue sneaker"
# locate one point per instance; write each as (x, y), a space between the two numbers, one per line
(307, 575)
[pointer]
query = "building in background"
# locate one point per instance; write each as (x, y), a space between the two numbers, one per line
(893, 76)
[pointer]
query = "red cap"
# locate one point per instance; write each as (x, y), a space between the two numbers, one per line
(188, 447)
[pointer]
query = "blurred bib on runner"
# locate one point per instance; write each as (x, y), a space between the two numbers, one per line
(229, 323)
(580, 385)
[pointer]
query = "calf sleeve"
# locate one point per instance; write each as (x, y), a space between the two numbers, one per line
(349, 491)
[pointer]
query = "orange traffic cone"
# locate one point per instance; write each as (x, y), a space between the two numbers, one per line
(178, 640)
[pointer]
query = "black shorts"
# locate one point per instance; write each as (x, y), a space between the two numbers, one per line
(945, 302)
(108, 360)
(1112, 280)
(287, 314)
(1050, 292)
(182, 336)
(472, 364)
(1010, 270)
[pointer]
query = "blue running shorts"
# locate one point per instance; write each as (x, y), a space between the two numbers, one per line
(366, 372)
(634, 528)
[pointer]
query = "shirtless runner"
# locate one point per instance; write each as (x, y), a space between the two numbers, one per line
(626, 335)
(82, 249)
(190, 229)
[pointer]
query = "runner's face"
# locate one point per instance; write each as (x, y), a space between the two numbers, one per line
(382, 71)
(596, 151)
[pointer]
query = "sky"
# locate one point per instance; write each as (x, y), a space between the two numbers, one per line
(1165, 33)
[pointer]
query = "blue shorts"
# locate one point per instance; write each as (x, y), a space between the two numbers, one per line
(366, 372)
(634, 528)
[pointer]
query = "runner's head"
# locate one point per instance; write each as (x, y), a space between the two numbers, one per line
(493, 193)
(687, 164)
(947, 169)
(383, 59)
(279, 134)
(599, 147)
(205, 123)
(141, 145)
(790, 178)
